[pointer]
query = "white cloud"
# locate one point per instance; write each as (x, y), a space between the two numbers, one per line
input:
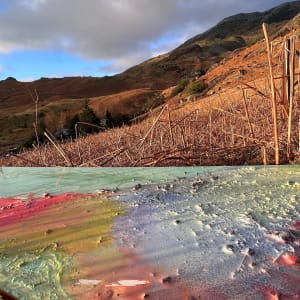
(32, 4)
(2, 68)
(122, 31)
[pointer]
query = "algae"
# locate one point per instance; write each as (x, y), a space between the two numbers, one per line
(38, 255)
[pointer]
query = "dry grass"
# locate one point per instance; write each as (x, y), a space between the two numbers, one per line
(232, 126)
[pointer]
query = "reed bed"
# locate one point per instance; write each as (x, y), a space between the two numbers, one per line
(233, 127)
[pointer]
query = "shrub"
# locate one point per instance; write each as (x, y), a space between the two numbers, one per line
(196, 87)
(179, 87)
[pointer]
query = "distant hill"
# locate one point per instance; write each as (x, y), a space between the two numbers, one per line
(59, 97)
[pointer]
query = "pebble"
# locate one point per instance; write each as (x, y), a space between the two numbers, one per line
(167, 279)
(251, 252)
(286, 236)
(48, 231)
(229, 249)
(137, 187)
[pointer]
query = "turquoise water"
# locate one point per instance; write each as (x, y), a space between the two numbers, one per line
(20, 181)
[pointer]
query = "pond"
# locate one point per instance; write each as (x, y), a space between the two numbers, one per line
(157, 233)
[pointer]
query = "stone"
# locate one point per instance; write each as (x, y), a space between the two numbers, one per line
(167, 279)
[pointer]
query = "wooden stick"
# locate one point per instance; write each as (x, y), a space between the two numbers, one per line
(274, 107)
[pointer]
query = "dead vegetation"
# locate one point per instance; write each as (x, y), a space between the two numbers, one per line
(232, 125)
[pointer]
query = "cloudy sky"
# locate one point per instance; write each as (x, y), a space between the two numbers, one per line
(56, 38)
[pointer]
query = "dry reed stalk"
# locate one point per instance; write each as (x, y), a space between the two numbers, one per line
(119, 151)
(284, 75)
(161, 139)
(35, 100)
(132, 161)
(78, 151)
(264, 155)
(232, 135)
(247, 112)
(255, 89)
(152, 127)
(244, 139)
(164, 155)
(287, 69)
(210, 129)
(291, 93)
(258, 141)
(58, 148)
(299, 135)
(298, 79)
(274, 105)
(182, 136)
(98, 158)
(170, 128)
(31, 162)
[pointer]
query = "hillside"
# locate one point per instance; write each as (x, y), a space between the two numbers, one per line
(202, 51)
(137, 90)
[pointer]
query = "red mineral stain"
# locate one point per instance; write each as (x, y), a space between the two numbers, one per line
(14, 209)
(272, 295)
(135, 279)
(296, 225)
(6, 296)
(287, 259)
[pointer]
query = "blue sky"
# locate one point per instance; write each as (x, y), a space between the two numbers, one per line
(29, 65)
(57, 38)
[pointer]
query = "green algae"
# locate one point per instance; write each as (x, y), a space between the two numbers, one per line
(80, 225)
(38, 255)
(32, 276)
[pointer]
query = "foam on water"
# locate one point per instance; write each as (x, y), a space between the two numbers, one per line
(216, 229)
